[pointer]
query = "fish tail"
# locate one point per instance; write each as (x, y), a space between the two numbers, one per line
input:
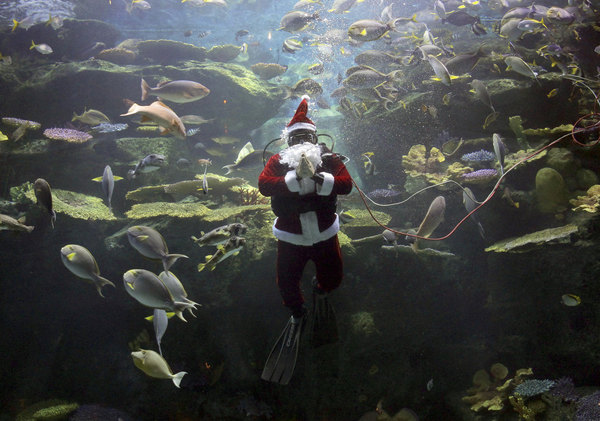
(145, 89)
(99, 281)
(177, 377)
(52, 218)
(169, 259)
(201, 267)
(32, 45)
(229, 168)
(15, 25)
(75, 116)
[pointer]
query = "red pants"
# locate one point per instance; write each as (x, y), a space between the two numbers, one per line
(291, 260)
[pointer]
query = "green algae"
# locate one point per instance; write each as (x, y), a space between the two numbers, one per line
(174, 210)
(558, 235)
(48, 410)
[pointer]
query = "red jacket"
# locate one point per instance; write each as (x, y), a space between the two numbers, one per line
(305, 210)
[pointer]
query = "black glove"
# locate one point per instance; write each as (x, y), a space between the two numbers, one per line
(318, 178)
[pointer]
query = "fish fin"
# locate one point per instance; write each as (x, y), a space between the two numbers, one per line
(208, 257)
(32, 45)
(145, 89)
(229, 168)
(99, 281)
(201, 267)
(177, 377)
(149, 318)
(71, 256)
(169, 259)
(15, 25)
(117, 178)
(163, 83)
(142, 237)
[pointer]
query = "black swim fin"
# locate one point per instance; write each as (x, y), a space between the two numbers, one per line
(281, 362)
(324, 322)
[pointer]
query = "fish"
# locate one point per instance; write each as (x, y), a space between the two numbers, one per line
(482, 93)
(147, 289)
(490, 118)
(507, 195)
(80, 262)
(303, 4)
(108, 184)
(110, 128)
(531, 25)
(155, 366)
(56, 22)
(241, 34)
(204, 181)
(194, 120)
(8, 223)
(26, 23)
(316, 69)
(91, 117)
(465, 62)
(517, 65)
(161, 115)
(148, 164)
(177, 290)
(570, 300)
(470, 203)
(370, 29)
(220, 235)
(160, 322)
(43, 194)
(343, 6)
(19, 132)
(366, 77)
(179, 91)
(440, 70)
(297, 20)
(429, 385)
(433, 218)
(149, 243)
(305, 168)
(186, 34)
(560, 15)
(247, 159)
(291, 45)
(552, 93)
(499, 150)
(225, 140)
(368, 164)
(41, 48)
(204, 161)
(136, 5)
(231, 248)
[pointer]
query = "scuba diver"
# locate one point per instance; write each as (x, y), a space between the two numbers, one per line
(303, 182)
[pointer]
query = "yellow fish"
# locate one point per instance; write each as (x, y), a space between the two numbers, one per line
(552, 93)
(570, 300)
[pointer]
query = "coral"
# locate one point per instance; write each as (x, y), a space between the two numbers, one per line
(512, 158)
(533, 387)
(268, 71)
(563, 161)
(223, 53)
(547, 131)
(148, 194)
(588, 408)
(490, 393)
(18, 122)
(588, 203)
(527, 410)
(174, 210)
(117, 55)
(363, 323)
(249, 195)
(551, 191)
(166, 51)
(586, 178)
(483, 176)
(564, 389)
(68, 135)
(478, 156)
(516, 124)
(52, 409)
(74, 205)
(110, 128)
(417, 163)
(558, 235)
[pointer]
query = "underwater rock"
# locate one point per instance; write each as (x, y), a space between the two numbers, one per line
(148, 194)
(558, 235)
(169, 52)
(18, 122)
(363, 224)
(563, 161)
(547, 131)
(117, 55)
(586, 178)
(223, 53)
(550, 190)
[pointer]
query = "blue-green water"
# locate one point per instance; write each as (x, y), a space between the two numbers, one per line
(414, 325)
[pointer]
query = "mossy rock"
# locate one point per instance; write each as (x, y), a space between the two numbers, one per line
(76, 205)
(148, 194)
(48, 410)
(558, 235)
(223, 53)
(363, 224)
(549, 131)
(236, 212)
(168, 51)
(174, 210)
(141, 146)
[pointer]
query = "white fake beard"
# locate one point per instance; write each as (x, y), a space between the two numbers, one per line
(292, 155)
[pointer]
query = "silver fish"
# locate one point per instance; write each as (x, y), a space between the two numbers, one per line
(220, 235)
(155, 366)
(160, 322)
(150, 163)
(80, 261)
(108, 184)
(499, 150)
(149, 243)
(43, 194)
(470, 203)
(433, 218)
(231, 248)
(482, 93)
(8, 223)
(179, 91)
(146, 288)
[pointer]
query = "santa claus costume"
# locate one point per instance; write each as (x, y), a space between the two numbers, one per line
(306, 225)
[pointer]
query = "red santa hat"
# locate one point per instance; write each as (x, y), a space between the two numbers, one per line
(300, 120)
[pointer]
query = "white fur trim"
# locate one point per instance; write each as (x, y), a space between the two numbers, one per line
(310, 231)
(292, 182)
(301, 125)
(326, 188)
(306, 97)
